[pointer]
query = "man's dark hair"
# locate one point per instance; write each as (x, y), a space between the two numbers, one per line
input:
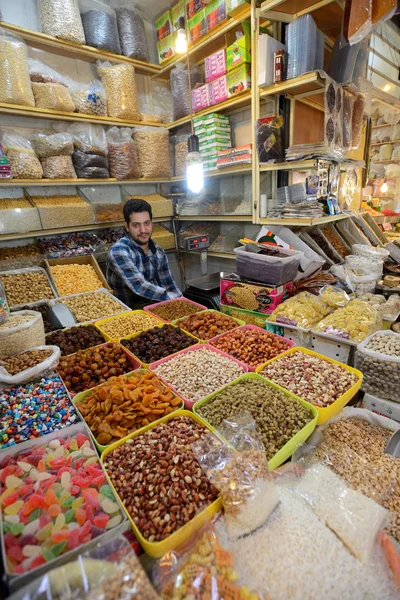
(133, 206)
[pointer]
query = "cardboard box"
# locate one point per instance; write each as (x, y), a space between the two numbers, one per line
(87, 259)
(232, 161)
(239, 80)
(177, 11)
(215, 65)
(218, 90)
(238, 50)
(267, 46)
(210, 119)
(164, 26)
(215, 13)
(200, 98)
(197, 26)
(221, 141)
(248, 316)
(214, 147)
(193, 7)
(238, 151)
(385, 408)
(216, 132)
(166, 48)
(264, 299)
(234, 7)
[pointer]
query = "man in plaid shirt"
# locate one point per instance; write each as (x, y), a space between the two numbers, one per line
(137, 269)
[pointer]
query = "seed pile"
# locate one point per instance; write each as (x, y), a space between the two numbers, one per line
(314, 379)
(278, 418)
(128, 324)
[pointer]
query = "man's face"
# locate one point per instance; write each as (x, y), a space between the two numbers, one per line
(140, 227)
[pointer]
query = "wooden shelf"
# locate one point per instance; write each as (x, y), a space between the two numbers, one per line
(80, 182)
(294, 165)
(327, 14)
(237, 101)
(76, 51)
(380, 126)
(226, 218)
(303, 222)
(208, 44)
(55, 115)
(385, 162)
(239, 170)
(305, 86)
(382, 143)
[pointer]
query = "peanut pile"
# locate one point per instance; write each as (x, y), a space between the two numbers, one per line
(159, 480)
(251, 346)
(92, 306)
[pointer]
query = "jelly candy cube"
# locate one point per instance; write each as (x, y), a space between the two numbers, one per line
(69, 515)
(35, 514)
(13, 482)
(13, 509)
(114, 522)
(59, 523)
(109, 506)
(77, 503)
(101, 520)
(37, 561)
(75, 489)
(17, 528)
(45, 532)
(10, 540)
(31, 550)
(6, 527)
(27, 508)
(73, 539)
(44, 520)
(80, 439)
(73, 445)
(19, 570)
(48, 554)
(50, 498)
(41, 466)
(37, 501)
(107, 491)
(99, 479)
(68, 502)
(85, 530)
(25, 490)
(80, 515)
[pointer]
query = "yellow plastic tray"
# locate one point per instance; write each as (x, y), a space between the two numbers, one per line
(80, 398)
(178, 321)
(158, 549)
(287, 450)
(107, 337)
(324, 414)
(133, 335)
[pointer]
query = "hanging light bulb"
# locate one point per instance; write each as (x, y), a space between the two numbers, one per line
(194, 166)
(181, 44)
(384, 188)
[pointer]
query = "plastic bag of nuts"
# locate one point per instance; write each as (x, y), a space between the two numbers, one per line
(52, 96)
(180, 151)
(56, 144)
(120, 84)
(100, 26)
(153, 142)
(168, 445)
(62, 19)
(378, 357)
(89, 138)
(122, 155)
(89, 98)
(29, 365)
(23, 161)
(58, 167)
(132, 32)
(21, 331)
(15, 85)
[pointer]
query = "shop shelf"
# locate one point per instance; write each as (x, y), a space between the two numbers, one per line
(238, 101)
(106, 202)
(52, 215)
(303, 222)
(310, 83)
(24, 218)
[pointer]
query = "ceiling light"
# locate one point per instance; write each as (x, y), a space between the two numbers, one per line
(181, 44)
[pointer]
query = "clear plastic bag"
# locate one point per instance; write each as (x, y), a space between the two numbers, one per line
(62, 19)
(396, 151)
(23, 161)
(15, 85)
(100, 26)
(370, 252)
(22, 330)
(40, 370)
(90, 166)
(354, 322)
(89, 138)
(120, 84)
(395, 132)
(354, 518)
(354, 261)
(4, 308)
(132, 32)
(41, 73)
(56, 144)
(239, 470)
(385, 152)
(181, 89)
(334, 296)
(303, 310)
(52, 96)
(89, 98)
(381, 370)
(58, 167)
(357, 121)
(269, 139)
(180, 152)
(153, 142)
(122, 155)
(92, 173)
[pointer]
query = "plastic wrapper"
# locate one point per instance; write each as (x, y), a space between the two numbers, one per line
(354, 262)
(347, 118)
(180, 153)
(153, 142)
(269, 139)
(392, 170)
(90, 166)
(100, 26)
(302, 46)
(396, 152)
(360, 67)
(343, 60)
(109, 571)
(385, 152)
(92, 173)
(360, 280)
(15, 85)
(52, 96)
(39, 72)
(181, 89)
(4, 308)
(122, 155)
(132, 32)
(395, 132)
(89, 138)
(200, 568)
(23, 161)
(240, 473)
(62, 19)
(58, 167)
(89, 98)
(40, 370)
(354, 322)
(120, 84)
(357, 122)
(354, 518)
(303, 310)
(381, 370)
(56, 144)
(370, 252)
(18, 335)
(334, 296)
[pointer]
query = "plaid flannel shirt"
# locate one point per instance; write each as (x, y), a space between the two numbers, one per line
(134, 275)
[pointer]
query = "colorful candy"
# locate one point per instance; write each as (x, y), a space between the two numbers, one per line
(34, 409)
(48, 512)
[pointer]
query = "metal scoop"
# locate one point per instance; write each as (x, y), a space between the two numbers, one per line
(393, 446)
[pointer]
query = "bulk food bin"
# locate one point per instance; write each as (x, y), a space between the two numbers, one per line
(106, 202)
(152, 308)
(65, 299)
(17, 213)
(61, 206)
(179, 322)
(109, 338)
(274, 270)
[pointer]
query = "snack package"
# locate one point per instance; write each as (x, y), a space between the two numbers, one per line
(378, 357)
(132, 32)
(181, 88)
(89, 138)
(120, 85)
(61, 18)
(89, 98)
(15, 85)
(252, 295)
(56, 144)
(354, 322)
(269, 139)
(100, 26)
(304, 310)
(23, 161)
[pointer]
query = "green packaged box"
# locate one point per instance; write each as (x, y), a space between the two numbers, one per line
(239, 80)
(177, 11)
(210, 117)
(250, 317)
(211, 139)
(197, 26)
(164, 26)
(166, 48)
(234, 7)
(238, 51)
(214, 147)
(215, 13)
(208, 134)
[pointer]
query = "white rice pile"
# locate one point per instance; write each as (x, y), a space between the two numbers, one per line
(296, 557)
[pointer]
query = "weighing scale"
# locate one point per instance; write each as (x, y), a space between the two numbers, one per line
(204, 289)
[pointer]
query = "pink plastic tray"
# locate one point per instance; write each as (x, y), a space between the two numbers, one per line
(136, 364)
(190, 403)
(151, 306)
(260, 330)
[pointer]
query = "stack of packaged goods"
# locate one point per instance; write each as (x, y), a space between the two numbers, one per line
(238, 59)
(242, 155)
(214, 133)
